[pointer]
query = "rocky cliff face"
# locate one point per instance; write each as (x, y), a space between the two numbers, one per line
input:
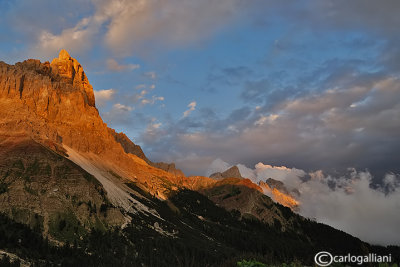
(49, 109)
(51, 102)
(54, 103)
(52, 107)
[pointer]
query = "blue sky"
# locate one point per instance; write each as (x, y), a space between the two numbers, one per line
(306, 84)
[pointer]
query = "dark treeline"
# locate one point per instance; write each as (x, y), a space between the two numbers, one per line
(198, 233)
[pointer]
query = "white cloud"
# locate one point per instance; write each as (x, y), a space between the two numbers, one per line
(266, 119)
(113, 65)
(153, 129)
(290, 176)
(122, 108)
(103, 96)
(218, 165)
(152, 100)
(140, 86)
(192, 107)
(169, 22)
(353, 207)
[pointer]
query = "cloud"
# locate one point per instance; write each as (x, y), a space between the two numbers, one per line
(141, 97)
(218, 165)
(134, 24)
(122, 108)
(125, 116)
(340, 127)
(153, 130)
(103, 96)
(125, 26)
(151, 74)
(353, 206)
(113, 65)
(347, 202)
(140, 86)
(192, 107)
(152, 100)
(76, 39)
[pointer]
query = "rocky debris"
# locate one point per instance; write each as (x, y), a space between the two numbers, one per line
(232, 172)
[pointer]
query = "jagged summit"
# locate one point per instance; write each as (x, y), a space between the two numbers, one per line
(70, 69)
(232, 172)
(63, 55)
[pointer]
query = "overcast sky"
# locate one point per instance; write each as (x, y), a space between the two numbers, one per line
(311, 84)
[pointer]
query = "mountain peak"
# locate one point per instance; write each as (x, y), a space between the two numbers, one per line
(72, 71)
(232, 172)
(63, 55)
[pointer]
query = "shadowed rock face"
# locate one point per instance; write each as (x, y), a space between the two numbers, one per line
(128, 145)
(232, 172)
(42, 188)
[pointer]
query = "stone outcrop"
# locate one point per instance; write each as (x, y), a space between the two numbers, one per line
(232, 172)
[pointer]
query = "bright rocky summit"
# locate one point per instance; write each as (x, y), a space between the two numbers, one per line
(88, 195)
